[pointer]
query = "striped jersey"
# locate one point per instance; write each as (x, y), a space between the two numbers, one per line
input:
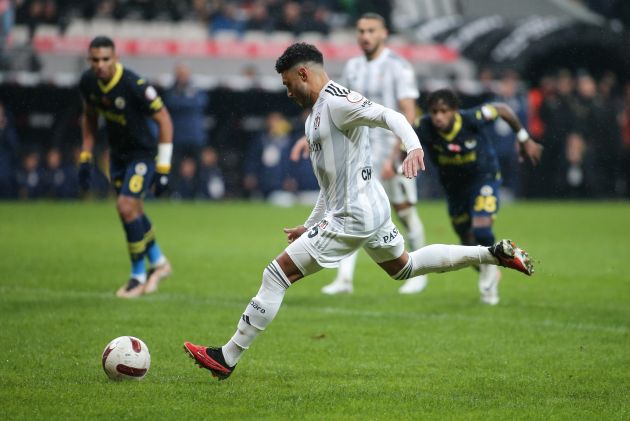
(337, 134)
(385, 80)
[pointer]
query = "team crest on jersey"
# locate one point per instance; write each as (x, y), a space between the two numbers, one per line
(323, 224)
(454, 147)
(471, 143)
(141, 168)
(150, 93)
(354, 97)
(119, 102)
(316, 122)
(486, 191)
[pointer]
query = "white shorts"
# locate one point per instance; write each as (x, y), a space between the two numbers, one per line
(325, 244)
(401, 190)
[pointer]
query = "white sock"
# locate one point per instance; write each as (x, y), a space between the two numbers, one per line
(444, 258)
(487, 275)
(258, 314)
(345, 273)
(415, 230)
(141, 277)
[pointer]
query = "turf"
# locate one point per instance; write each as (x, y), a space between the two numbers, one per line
(556, 347)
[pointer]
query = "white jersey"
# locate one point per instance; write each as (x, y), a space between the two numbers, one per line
(337, 134)
(385, 80)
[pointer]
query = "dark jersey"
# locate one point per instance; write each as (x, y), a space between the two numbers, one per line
(465, 154)
(126, 103)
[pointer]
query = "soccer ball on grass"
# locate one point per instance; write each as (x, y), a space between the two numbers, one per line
(126, 357)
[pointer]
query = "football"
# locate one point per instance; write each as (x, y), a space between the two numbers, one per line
(126, 357)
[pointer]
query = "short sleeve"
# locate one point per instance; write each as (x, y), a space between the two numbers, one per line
(355, 110)
(483, 115)
(147, 95)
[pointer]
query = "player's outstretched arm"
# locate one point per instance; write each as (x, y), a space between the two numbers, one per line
(528, 147)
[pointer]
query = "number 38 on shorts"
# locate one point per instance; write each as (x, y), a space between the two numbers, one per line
(486, 201)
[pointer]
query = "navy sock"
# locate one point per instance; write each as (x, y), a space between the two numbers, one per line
(137, 247)
(484, 236)
(154, 253)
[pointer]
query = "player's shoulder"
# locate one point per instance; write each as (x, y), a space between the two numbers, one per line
(342, 97)
(424, 124)
(87, 77)
(132, 78)
(396, 59)
(483, 112)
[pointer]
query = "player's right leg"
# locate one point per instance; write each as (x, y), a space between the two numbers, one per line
(293, 264)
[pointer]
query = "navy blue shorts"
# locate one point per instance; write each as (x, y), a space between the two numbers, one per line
(480, 198)
(132, 178)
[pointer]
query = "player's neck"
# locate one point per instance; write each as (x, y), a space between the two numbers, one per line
(375, 54)
(321, 80)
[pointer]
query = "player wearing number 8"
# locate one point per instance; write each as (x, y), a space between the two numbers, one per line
(468, 169)
(130, 108)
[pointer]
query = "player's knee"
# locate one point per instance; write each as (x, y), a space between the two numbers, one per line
(127, 208)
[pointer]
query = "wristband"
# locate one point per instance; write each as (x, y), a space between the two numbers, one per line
(85, 156)
(522, 136)
(165, 152)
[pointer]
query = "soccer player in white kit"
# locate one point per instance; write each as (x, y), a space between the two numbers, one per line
(352, 210)
(388, 79)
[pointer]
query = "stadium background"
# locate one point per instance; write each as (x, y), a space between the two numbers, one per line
(566, 57)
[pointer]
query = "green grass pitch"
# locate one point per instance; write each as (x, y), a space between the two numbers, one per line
(556, 347)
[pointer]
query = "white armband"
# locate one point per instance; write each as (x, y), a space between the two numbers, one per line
(522, 135)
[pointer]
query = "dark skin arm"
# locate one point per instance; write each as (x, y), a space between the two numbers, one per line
(529, 149)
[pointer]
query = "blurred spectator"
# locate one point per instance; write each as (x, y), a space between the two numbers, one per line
(36, 12)
(259, 18)
(186, 185)
(29, 177)
(503, 137)
(59, 179)
(187, 106)
(291, 18)
(267, 160)
(226, 16)
(8, 156)
(6, 24)
(211, 183)
(557, 113)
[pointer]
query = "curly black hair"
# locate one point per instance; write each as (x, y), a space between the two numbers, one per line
(448, 96)
(300, 52)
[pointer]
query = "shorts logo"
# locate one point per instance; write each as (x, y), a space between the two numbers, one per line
(141, 168)
(391, 236)
(119, 102)
(486, 191)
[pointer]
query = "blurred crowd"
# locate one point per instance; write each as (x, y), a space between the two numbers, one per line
(234, 15)
(583, 122)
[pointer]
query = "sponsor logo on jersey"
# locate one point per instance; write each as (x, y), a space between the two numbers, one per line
(366, 173)
(366, 103)
(453, 147)
(315, 147)
(119, 102)
(141, 168)
(150, 93)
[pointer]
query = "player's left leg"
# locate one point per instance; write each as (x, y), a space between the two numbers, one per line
(403, 195)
